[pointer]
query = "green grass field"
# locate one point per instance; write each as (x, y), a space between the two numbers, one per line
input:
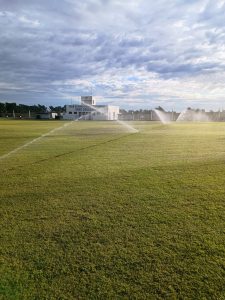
(95, 212)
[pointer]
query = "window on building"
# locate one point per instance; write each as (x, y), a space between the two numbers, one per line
(75, 112)
(70, 112)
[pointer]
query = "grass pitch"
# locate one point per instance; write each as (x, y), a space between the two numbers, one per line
(94, 212)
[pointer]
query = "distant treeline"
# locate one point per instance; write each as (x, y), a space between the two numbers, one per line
(25, 109)
(150, 115)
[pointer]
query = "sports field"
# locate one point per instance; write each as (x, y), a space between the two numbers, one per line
(92, 211)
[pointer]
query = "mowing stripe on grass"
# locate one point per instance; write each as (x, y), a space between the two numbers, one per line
(74, 151)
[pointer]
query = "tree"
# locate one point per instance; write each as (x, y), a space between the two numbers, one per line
(2, 108)
(10, 107)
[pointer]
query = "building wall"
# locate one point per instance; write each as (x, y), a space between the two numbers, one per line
(74, 112)
(98, 112)
(89, 100)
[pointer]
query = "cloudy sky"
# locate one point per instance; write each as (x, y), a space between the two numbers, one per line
(135, 53)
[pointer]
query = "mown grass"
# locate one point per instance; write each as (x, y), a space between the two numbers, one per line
(94, 212)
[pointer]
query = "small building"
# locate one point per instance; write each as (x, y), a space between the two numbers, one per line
(46, 116)
(88, 110)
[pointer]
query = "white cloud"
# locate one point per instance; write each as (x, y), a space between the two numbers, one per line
(127, 51)
(30, 22)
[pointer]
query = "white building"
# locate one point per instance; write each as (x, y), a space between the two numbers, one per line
(88, 110)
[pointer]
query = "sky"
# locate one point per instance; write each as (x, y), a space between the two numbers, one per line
(131, 53)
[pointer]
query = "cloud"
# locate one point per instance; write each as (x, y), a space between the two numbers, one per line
(131, 52)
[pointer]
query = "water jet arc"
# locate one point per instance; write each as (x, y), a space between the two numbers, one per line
(163, 116)
(124, 124)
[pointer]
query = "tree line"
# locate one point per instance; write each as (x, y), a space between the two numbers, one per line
(7, 107)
